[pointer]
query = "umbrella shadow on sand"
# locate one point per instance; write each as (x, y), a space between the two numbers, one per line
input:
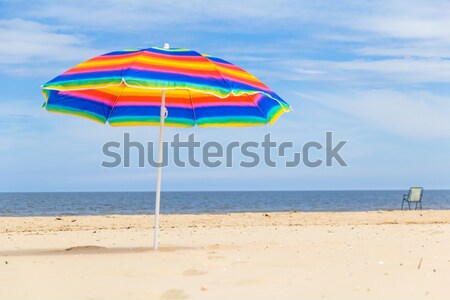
(90, 250)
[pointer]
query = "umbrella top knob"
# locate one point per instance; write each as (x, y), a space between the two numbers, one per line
(166, 46)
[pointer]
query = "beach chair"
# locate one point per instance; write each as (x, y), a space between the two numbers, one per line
(414, 196)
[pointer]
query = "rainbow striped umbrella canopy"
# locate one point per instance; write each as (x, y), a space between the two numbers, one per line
(124, 88)
(163, 86)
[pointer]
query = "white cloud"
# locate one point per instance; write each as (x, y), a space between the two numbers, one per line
(141, 15)
(26, 45)
(394, 28)
(416, 114)
(407, 20)
(359, 72)
(407, 49)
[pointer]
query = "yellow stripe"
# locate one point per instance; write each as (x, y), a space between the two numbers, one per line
(131, 123)
(239, 74)
(181, 93)
(198, 65)
(104, 62)
(237, 124)
(276, 116)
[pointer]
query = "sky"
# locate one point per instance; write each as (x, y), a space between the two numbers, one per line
(376, 74)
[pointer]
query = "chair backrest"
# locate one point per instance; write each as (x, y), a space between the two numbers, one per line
(415, 194)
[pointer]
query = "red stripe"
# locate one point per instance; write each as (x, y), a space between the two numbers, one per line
(153, 99)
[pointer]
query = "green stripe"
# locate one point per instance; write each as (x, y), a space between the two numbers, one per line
(76, 112)
(273, 111)
(161, 84)
(151, 119)
(90, 83)
(232, 120)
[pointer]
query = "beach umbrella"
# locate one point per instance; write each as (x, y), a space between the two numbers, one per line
(163, 87)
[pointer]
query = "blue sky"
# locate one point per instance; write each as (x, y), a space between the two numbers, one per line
(374, 73)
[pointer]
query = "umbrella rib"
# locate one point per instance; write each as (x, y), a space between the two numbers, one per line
(232, 91)
(218, 72)
(117, 99)
(264, 115)
(193, 109)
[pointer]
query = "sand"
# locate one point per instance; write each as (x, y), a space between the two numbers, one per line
(295, 255)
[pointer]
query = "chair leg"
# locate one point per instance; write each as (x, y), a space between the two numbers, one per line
(420, 202)
(409, 205)
(402, 203)
(416, 205)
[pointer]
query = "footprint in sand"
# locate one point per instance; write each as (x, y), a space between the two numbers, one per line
(193, 272)
(174, 294)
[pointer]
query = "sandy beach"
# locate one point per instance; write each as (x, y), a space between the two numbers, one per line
(292, 255)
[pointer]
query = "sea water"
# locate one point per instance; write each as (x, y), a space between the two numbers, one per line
(106, 203)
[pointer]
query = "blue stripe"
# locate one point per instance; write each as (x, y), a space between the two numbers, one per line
(120, 52)
(266, 104)
(173, 53)
(66, 100)
(216, 59)
(229, 111)
(130, 111)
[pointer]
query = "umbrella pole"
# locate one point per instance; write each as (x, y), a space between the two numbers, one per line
(160, 161)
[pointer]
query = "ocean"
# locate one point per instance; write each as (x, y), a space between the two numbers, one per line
(106, 203)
